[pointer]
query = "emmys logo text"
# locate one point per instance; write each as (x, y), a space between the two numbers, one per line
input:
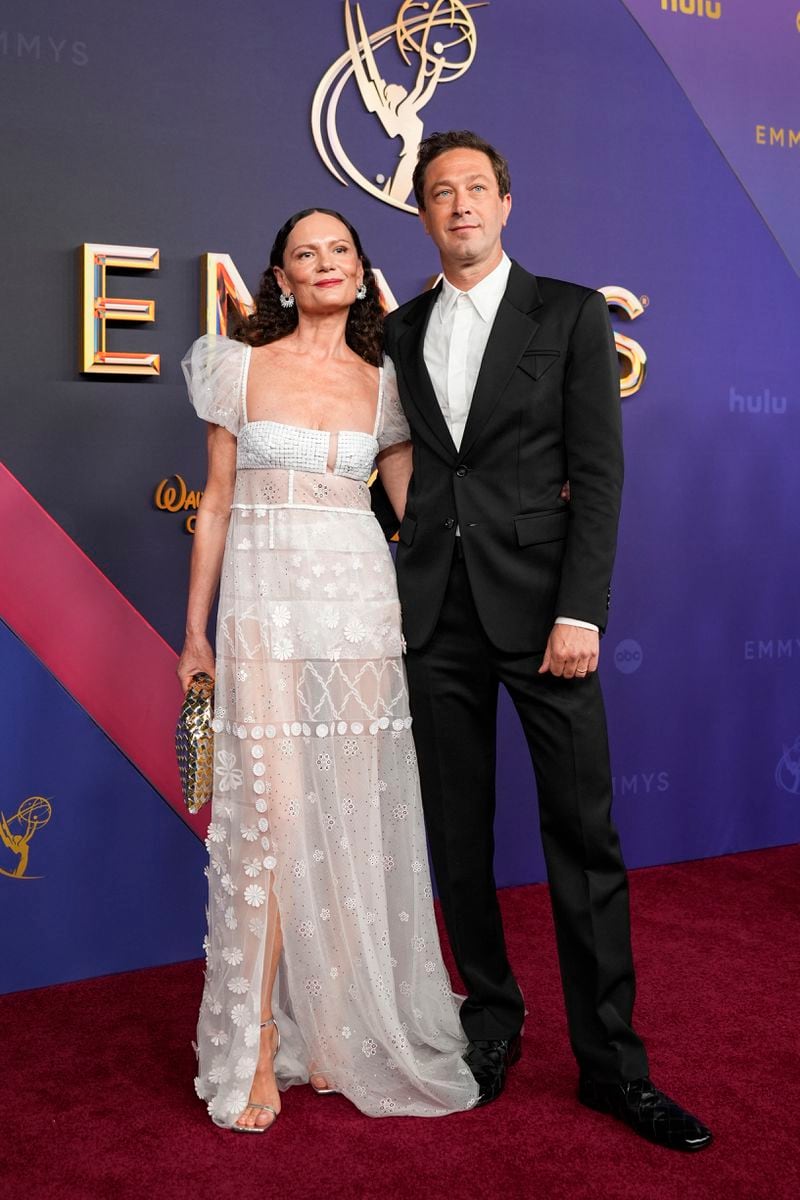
(43, 48)
(772, 649)
(777, 136)
(641, 783)
(223, 292)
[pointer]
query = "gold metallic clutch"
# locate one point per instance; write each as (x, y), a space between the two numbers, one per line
(194, 742)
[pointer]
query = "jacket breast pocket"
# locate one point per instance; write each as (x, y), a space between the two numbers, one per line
(537, 363)
(534, 529)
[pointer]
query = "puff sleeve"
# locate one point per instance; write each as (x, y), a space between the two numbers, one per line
(214, 368)
(393, 426)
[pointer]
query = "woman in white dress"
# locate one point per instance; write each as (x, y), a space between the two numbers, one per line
(323, 960)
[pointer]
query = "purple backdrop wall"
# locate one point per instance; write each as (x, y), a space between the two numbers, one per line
(655, 150)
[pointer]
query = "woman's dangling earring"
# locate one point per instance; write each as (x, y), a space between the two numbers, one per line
(287, 301)
(361, 291)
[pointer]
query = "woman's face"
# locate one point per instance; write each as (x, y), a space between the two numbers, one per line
(320, 265)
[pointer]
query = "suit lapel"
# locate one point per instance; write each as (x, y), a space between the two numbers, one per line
(511, 332)
(421, 394)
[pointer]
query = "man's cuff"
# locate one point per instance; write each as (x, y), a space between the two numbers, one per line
(579, 624)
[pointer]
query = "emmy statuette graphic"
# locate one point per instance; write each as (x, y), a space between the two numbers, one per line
(17, 832)
(440, 37)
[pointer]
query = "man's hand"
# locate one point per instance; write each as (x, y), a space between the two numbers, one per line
(571, 652)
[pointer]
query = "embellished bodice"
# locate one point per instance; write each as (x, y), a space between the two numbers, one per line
(271, 445)
(216, 370)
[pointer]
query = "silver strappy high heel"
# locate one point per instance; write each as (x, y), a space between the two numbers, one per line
(328, 1091)
(252, 1104)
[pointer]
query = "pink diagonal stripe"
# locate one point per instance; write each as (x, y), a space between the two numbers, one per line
(117, 667)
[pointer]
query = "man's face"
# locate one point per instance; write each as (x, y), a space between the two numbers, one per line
(464, 212)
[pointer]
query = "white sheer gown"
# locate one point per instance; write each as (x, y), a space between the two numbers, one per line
(316, 810)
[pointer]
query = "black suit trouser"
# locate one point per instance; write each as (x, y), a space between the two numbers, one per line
(453, 683)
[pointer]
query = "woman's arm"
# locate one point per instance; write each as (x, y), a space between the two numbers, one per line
(211, 528)
(395, 468)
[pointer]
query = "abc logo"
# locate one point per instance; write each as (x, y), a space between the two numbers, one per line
(628, 656)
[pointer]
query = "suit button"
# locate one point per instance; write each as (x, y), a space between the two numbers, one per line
(449, 523)
(461, 472)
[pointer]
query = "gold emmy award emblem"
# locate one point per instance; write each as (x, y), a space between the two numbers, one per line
(440, 36)
(16, 833)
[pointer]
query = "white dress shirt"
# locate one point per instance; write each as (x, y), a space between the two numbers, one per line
(455, 341)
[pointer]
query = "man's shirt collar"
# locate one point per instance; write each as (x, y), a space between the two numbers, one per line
(485, 296)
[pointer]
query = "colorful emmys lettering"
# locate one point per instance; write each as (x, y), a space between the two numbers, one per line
(16, 833)
(224, 292)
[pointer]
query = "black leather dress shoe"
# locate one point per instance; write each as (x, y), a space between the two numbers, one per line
(489, 1062)
(648, 1111)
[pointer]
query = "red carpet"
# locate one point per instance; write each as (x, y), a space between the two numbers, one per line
(98, 1102)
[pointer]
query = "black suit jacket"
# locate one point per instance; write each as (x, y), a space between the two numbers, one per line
(546, 408)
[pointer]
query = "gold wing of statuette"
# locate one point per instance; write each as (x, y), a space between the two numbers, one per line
(6, 836)
(368, 78)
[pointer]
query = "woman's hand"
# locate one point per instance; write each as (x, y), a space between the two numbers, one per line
(196, 656)
(210, 531)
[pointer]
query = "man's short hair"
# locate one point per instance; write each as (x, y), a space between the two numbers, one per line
(457, 139)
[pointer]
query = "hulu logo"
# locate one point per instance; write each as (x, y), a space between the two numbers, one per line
(762, 402)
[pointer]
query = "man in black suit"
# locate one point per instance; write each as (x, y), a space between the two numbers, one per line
(511, 386)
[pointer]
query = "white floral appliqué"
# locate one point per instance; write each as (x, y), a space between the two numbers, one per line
(255, 895)
(229, 775)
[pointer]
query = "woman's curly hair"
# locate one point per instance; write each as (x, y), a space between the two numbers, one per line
(270, 322)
